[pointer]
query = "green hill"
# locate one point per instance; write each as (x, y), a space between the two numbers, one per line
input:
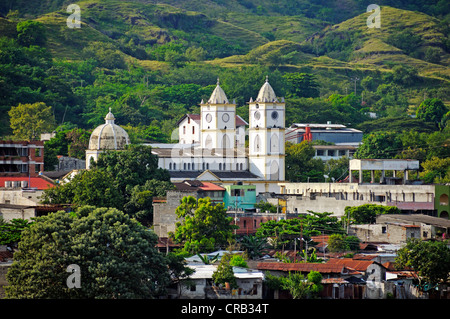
(179, 48)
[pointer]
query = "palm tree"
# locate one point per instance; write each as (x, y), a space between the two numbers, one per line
(254, 246)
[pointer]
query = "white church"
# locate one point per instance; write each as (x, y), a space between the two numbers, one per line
(211, 144)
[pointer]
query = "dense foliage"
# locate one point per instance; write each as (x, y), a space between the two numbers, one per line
(116, 256)
(126, 180)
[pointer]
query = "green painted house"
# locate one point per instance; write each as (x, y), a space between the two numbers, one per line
(441, 202)
(239, 196)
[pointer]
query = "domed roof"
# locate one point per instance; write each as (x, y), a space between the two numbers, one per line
(109, 136)
(218, 96)
(266, 93)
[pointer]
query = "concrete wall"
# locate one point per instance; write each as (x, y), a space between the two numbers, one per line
(391, 233)
(20, 197)
(164, 217)
(334, 197)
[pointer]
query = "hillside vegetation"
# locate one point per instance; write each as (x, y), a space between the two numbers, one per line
(151, 61)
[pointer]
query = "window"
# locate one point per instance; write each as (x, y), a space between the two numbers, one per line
(174, 166)
(383, 229)
(184, 129)
(193, 130)
(170, 166)
(220, 166)
(37, 152)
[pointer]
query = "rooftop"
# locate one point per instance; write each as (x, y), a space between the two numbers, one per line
(39, 182)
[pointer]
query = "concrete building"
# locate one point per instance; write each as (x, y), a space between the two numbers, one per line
(337, 134)
(441, 203)
(108, 136)
(397, 229)
(21, 158)
(383, 165)
(221, 156)
(200, 284)
(20, 197)
(334, 197)
(239, 197)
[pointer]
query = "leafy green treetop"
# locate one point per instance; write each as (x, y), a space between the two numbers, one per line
(203, 226)
(116, 255)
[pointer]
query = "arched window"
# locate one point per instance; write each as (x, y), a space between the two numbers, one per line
(170, 166)
(226, 141)
(208, 141)
(274, 171)
(257, 146)
(184, 166)
(274, 145)
(220, 166)
(443, 200)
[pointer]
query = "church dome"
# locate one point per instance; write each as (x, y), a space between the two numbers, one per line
(266, 93)
(109, 136)
(218, 96)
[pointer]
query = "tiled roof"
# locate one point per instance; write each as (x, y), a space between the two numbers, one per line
(35, 182)
(301, 267)
(359, 265)
(207, 186)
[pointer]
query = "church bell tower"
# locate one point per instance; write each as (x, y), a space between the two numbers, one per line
(267, 135)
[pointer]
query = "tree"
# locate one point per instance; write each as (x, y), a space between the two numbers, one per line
(89, 187)
(336, 243)
(31, 33)
(302, 85)
(379, 145)
(431, 260)
(301, 287)
(203, 225)
(301, 166)
(436, 170)
(254, 246)
(131, 167)
(224, 273)
(367, 213)
(431, 110)
(28, 121)
(116, 255)
(10, 232)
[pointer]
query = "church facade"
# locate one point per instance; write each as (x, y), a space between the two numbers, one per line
(218, 154)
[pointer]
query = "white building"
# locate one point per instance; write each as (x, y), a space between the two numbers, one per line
(108, 136)
(212, 144)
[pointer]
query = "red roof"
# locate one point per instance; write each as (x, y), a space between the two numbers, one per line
(35, 182)
(359, 265)
(302, 267)
(211, 187)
